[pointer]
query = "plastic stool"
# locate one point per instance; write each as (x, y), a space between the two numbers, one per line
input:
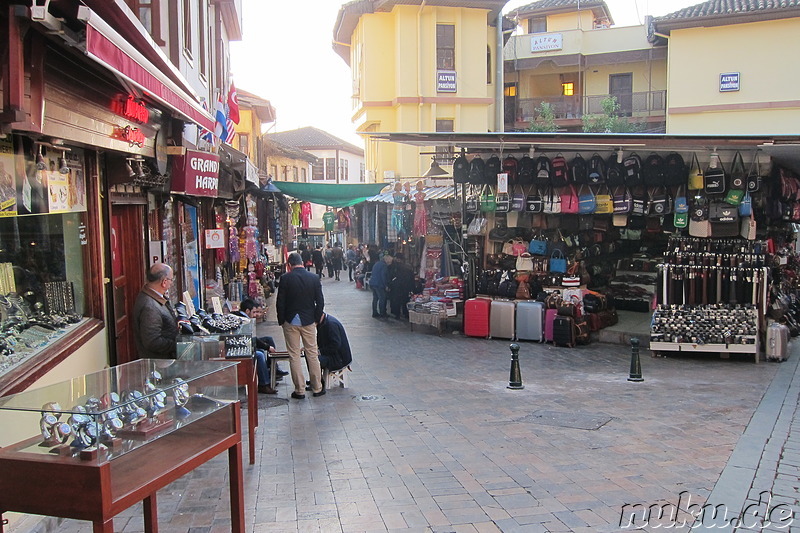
(336, 378)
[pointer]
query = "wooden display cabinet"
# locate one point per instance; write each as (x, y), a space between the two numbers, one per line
(66, 478)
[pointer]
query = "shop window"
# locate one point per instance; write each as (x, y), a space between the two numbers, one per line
(568, 89)
(537, 25)
(43, 246)
(330, 169)
(445, 47)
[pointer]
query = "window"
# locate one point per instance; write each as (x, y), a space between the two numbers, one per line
(444, 154)
(510, 90)
(318, 170)
(537, 25)
(273, 171)
(445, 47)
(488, 65)
(295, 174)
(244, 143)
(362, 172)
(303, 175)
(285, 173)
(568, 89)
(343, 170)
(330, 168)
(187, 27)
(148, 12)
(202, 32)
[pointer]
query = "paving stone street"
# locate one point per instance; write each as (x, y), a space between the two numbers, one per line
(429, 438)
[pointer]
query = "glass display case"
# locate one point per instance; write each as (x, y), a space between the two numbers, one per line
(115, 437)
(235, 344)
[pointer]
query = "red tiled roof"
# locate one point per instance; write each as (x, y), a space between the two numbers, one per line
(310, 138)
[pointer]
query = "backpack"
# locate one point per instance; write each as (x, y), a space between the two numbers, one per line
(615, 172)
(526, 168)
(677, 173)
(476, 168)
(633, 170)
(559, 174)
(578, 169)
(510, 168)
(461, 169)
(492, 168)
(542, 171)
(654, 170)
(597, 169)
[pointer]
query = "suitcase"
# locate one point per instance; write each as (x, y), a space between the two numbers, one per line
(549, 316)
(564, 331)
(501, 319)
(476, 317)
(777, 348)
(530, 321)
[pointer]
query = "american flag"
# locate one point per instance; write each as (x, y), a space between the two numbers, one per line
(230, 128)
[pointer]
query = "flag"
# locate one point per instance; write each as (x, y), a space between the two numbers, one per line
(231, 129)
(233, 104)
(206, 135)
(220, 129)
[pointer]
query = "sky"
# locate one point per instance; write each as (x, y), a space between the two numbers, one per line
(286, 57)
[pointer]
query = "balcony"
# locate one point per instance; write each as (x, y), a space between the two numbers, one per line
(642, 104)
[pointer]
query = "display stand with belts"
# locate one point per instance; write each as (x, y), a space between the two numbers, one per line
(713, 297)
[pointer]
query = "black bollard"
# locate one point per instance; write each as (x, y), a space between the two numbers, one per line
(636, 366)
(515, 378)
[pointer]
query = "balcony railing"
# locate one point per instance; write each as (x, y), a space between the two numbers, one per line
(642, 104)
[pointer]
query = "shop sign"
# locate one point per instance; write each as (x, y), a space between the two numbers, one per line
(446, 81)
(132, 109)
(215, 238)
(547, 42)
(196, 174)
(133, 136)
(728, 82)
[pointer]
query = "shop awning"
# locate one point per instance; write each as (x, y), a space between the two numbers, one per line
(105, 46)
(341, 195)
(437, 192)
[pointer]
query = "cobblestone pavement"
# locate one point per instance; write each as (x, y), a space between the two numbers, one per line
(429, 438)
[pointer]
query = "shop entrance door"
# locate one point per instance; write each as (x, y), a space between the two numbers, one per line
(128, 269)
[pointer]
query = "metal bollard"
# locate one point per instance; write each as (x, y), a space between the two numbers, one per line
(515, 377)
(636, 366)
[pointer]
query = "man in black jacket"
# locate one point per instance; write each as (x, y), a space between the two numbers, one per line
(299, 306)
(155, 328)
(334, 349)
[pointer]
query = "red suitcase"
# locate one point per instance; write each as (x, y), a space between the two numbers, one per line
(549, 316)
(476, 317)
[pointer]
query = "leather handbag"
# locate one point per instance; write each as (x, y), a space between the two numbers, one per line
(524, 262)
(558, 263)
(537, 247)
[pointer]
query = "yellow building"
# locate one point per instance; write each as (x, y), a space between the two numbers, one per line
(569, 54)
(419, 65)
(732, 67)
(254, 113)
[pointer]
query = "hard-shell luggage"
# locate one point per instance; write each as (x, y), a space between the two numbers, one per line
(564, 331)
(476, 317)
(777, 348)
(549, 317)
(530, 321)
(501, 319)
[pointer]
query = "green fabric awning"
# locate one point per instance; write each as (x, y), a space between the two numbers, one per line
(341, 195)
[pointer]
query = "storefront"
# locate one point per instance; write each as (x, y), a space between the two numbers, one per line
(638, 223)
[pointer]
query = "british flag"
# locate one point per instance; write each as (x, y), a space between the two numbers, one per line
(206, 135)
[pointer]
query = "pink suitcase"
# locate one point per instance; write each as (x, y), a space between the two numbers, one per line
(549, 317)
(476, 317)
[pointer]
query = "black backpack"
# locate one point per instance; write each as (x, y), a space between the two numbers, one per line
(633, 170)
(654, 170)
(476, 170)
(510, 167)
(559, 171)
(542, 171)
(461, 169)
(526, 169)
(677, 173)
(492, 168)
(615, 172)
(597, 169)
(578, 170)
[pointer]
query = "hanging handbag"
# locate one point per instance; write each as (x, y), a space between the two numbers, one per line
(638, 201)
(696, 181)
(657, 201)
(472, 203)
(699, 226)
(552, 202)
(586, 200)
(680, 220)
(748, 229)
(519, 247)
(623, 202)
(569, 200)
(738, 174)
(754, 175)
(502, 203)
(523, 290)
(518, 202)
(619, 220)
(734, 197)
(508, 247)
(524, 262)
(746, 206)
(722, 212)
(488, 203)
(681, 202)
(537, 247)
(534, 202)
(714, 177)
(558, 262)
(604, 204)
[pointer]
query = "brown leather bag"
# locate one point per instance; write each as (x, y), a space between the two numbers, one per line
(523, 290)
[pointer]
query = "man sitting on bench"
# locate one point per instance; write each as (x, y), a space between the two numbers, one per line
(251, 309)
(334, 349)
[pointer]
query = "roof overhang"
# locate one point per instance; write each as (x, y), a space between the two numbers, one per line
(599, 9)
(666, 25)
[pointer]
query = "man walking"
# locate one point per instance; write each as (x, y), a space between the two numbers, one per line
(379, 283)
(299, 306)
(351, 258)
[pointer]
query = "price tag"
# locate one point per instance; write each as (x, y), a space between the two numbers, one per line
(502, 183)
(187, 301)
(216, 304)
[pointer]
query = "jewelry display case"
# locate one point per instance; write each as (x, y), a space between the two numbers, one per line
(93, 446)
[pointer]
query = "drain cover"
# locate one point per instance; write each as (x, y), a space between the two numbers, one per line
(586, 421)
(369, 398)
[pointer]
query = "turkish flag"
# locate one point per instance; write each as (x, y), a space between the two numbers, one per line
(233, 105)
